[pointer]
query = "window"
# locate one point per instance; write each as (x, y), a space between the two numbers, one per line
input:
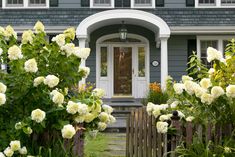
(218, 42)
(207, 2)
(104, 62)
(141, 62)
(37, 2)
(143, 3)
(214, 3)
(16, 4)
(102, 3)
(227, 2)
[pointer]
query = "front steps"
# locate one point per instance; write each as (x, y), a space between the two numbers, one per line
(122, 108)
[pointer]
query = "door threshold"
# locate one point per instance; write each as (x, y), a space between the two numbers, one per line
(122, 96)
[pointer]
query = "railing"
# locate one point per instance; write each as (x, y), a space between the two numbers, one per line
(143, 140)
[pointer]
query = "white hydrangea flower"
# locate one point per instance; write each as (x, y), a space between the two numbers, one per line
(108, 109)
(37, 81)
(59, 39)
(104, 117)
(199, 91)
(178, 88)
(205, 83)
(18, 126)
(230, 91)
(39, 27)
(23, 150)
(27, 37)
(149, 108)
(72, 107)
(174, 104)
(79, 119)
(28, 131)
(2, 99)
(112, 119)
(98, 92)
(57, 97)
(89, 117)
(189, 87)
(51, 81)
(69, 49)
(213, 54)
(102, 126)
(217, 91)
(31, 66)
(9, 31)
(2, 155)
(85, 70)
(82, 53)
(14, 53)
(68, 131)
(186, 78)
(207, 98)
(38, 115)
(190, 119)
(8, 152)
(211, 71)
(162, 127)
(164, 106)
(2, 30)
(164, 118)
(1, 51)
(15, 145)
(70, 33)
(82, 109)
(180, 114)
(156, 111)
(3, 88)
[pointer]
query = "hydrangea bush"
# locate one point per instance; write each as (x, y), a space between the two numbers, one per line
(37, 106)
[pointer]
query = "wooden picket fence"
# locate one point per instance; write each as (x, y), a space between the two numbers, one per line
(143, 140)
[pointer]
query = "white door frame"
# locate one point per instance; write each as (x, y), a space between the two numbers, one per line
(110, 78)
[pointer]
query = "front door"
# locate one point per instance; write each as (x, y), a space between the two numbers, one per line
(122, 71)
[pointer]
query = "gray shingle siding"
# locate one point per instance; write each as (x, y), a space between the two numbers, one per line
(72, 16)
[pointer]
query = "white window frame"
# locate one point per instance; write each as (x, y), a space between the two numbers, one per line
(133, 5)
(101, 6)
(218, 4)
(25, 5)
(219, 39)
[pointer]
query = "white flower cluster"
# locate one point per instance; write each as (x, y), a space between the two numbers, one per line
(203, 90)
(98, 92)
(85, 71)
(69, 49)
(82, 53)
(31, 66)
(73, 108)
(14, 53)
(13, 147)
(155, 110)
(3, 89)
(8, 32)
(39, 27)
(57, 97)
(59, 39)
(106, 117)
(27, 37)
(38, 115)
(37, 81)
(51, 81)
(213, 54)
(68, 131)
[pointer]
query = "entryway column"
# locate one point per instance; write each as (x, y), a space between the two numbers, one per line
(164, 61)
(82, 44)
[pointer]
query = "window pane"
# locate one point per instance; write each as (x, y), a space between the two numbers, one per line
(102, 2)
(37, 3)
(104, 62)
(14, 3)
(227, 2)
(141, 62)
(206, 1)
(204, 45)
(143, 1)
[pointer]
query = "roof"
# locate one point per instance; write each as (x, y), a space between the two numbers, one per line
(72, 17)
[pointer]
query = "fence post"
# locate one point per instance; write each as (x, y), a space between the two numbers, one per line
(189, 133)
(175, 138)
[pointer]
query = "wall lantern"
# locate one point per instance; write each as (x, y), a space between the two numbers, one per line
(123, 32)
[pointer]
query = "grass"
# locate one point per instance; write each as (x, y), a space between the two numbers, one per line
(94, 147)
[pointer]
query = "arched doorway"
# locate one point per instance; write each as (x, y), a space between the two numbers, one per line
(122, 68)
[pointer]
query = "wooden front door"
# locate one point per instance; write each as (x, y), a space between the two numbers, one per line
(122, 71)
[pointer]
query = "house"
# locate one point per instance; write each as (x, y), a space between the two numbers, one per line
(133, 42)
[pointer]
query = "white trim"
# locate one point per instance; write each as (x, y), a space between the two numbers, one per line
(25, 5)
(164, 62)
(218, 4)
(203, 30)
(101, 6)
(109, 79)
(133, 5)
(136, 17)
(220, 40)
